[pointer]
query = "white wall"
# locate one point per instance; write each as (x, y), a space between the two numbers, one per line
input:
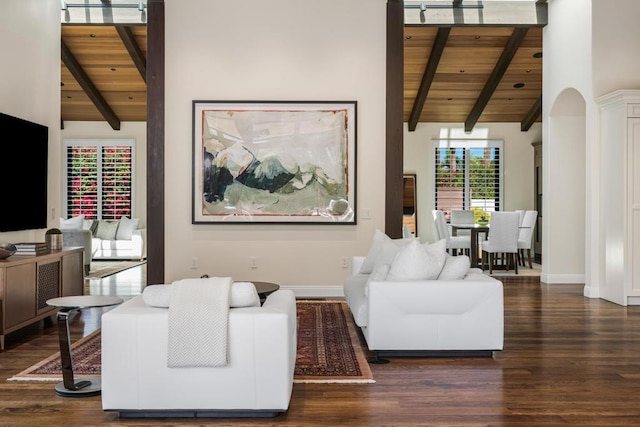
(30, 84)
(518, 166)
(128, 130)
(616, 63)
(567, 65)
(286, 50)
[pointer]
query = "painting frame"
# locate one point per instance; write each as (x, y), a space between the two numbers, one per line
(274, 162)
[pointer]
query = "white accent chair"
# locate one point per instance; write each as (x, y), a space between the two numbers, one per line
(526, 236)
(503, 240)
(454, 243)
(257, 381)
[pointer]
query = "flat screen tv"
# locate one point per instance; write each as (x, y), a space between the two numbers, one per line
(23, 174)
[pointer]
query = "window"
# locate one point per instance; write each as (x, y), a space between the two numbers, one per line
(468, 175)
(98, 178)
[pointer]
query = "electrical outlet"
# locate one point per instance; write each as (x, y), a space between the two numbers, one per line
(365, 213)
(194, 264)
(345, 262)
(254, 262)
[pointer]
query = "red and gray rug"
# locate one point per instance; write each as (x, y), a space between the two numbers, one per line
(329, 350)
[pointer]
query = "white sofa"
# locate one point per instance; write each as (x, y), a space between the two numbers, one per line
(428, 317)
(133, 249)
(120, 239)
(257, 381)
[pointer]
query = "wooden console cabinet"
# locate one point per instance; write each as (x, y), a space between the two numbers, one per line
(27, 282)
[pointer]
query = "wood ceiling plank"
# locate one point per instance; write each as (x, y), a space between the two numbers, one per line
(450, 98)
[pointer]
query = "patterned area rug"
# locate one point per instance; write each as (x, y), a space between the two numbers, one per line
(101, 269)
(329, 350)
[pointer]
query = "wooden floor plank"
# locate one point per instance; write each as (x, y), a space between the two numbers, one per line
(568, 360)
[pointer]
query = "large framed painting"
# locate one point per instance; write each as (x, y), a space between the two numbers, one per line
(274, 162)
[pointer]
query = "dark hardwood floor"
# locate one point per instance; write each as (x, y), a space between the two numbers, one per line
(568, 361)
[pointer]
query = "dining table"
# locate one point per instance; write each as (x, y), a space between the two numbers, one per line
(474, 229)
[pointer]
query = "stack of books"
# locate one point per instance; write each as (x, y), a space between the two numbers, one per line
(31, 248)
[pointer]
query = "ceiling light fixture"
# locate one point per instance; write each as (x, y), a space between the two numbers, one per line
(518, 85)
(537, 55)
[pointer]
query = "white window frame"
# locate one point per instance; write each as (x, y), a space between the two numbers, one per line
(467, 144)
(100, 143)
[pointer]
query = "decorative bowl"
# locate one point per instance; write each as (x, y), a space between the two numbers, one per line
(483, 222)
(7, 251)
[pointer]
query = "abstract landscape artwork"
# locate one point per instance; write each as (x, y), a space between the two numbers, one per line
(274, 162)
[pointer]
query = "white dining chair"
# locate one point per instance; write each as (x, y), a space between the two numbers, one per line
(503, 240)
(525, 236)
(462, 217)
(454, 243)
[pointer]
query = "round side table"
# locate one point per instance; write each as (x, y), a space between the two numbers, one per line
(69, 387)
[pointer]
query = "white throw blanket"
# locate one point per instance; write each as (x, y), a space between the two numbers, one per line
(198, 322)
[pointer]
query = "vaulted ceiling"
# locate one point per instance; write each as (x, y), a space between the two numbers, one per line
(452, 74)
(103, 71)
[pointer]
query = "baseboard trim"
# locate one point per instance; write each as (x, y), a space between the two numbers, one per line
(564, 279)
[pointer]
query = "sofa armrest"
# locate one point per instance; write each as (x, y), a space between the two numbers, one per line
(138, 237)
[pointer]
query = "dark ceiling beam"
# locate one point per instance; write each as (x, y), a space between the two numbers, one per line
(496, 75)
(129, 40)
(89, 88)
(532, 115)
(428, 76)
(457, 2)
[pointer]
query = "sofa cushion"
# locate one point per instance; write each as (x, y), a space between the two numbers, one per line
(455, 267)
(126, 227)
(243, 294)
(382, 251)
(74, 223)
(418, 261)
(107, 230)
(112, 245)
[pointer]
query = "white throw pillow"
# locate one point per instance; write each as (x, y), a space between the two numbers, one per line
(437, 250)
(74, 223)
(418, 262)
(126, 227)
(157, 295)
(243, 294)
(382, 251)
(455, 268)
(107, 230)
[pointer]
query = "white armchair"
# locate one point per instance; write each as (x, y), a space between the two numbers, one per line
(257, 381)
